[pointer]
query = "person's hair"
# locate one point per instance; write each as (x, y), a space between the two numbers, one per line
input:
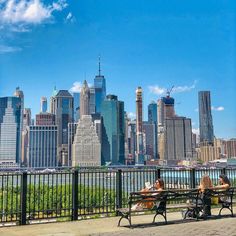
(161, 182)
(225, 179)
(206, 182)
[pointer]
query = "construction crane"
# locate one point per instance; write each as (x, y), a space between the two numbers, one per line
(169, 91)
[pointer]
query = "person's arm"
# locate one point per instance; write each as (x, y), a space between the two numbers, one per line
(223, 186)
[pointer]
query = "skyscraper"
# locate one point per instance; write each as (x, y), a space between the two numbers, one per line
(113, 130)
(152, 112)
(139, 127)
(62, 107)
(92, 105)
(85, 100)
(149, 128)
(178, 139)
(205, 117)
(86, 148)
(42, 148)
(43, 104)
(76, 97)
(10, 130)
(152, 119)
(100, 88)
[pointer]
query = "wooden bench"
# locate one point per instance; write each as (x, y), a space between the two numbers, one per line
(225, 197)
(192, 200)
(159, 200)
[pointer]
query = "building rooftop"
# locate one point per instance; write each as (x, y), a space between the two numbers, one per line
(63, 93)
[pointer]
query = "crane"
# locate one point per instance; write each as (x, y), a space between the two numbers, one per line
(169, 91)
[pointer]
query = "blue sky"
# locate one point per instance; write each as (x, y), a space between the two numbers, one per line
(154, 44)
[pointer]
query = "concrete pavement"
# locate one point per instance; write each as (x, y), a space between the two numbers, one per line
(108, 226)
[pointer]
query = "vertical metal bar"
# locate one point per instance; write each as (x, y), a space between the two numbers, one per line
(192, 178)
(119, 188)
(75, 195)
(23, 198)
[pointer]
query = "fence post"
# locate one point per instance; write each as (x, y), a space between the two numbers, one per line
(157, 173)
(23, 198)
(193, 178)
(223, 171)
(119, 189)
(75, 195)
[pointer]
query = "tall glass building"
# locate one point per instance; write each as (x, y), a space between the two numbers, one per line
(76, 97)
(113, 130)
(10, 130)
(152, 119)
(152, 112)
(100, 89)
(205, 117)
(43, 104)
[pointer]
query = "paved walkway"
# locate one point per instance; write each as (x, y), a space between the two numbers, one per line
(108, 226)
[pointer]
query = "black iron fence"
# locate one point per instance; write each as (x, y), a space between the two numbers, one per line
(71, 195)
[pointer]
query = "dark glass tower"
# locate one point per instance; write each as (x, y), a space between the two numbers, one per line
(152, 112)
(100, 89)
(113, 130)
(205, 117)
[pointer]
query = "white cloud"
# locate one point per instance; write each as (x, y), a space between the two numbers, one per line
(220, 108)
(131, 115)
(181, 89)
(176, 89)
(76, 88)
(8, 49)
(70, 18)
(196, 131)
(28, 11)
(157, 90)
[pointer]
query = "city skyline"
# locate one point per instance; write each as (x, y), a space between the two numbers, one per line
(155, 46)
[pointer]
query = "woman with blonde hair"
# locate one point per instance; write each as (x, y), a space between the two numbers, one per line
(205, 184)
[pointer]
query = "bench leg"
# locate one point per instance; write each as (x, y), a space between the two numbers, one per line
(226, 207)
(162, 214)
(124, 217)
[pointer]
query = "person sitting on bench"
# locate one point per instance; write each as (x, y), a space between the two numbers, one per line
(205, 184)
(157, 186)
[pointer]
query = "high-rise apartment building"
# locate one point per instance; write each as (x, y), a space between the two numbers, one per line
(149, 129)
(100, 89)
(43, 104)
(230, 148)
(113, 130)
(176, 143)
(42, 147)
(205, 118)
(86, 148)
(139, 127)
(10, 130)
(85, 100)
(62, 107)
(132, 139)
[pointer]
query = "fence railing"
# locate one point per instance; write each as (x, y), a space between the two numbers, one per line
(30, 197)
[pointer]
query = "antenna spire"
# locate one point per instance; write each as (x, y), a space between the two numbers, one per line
(99, 65)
